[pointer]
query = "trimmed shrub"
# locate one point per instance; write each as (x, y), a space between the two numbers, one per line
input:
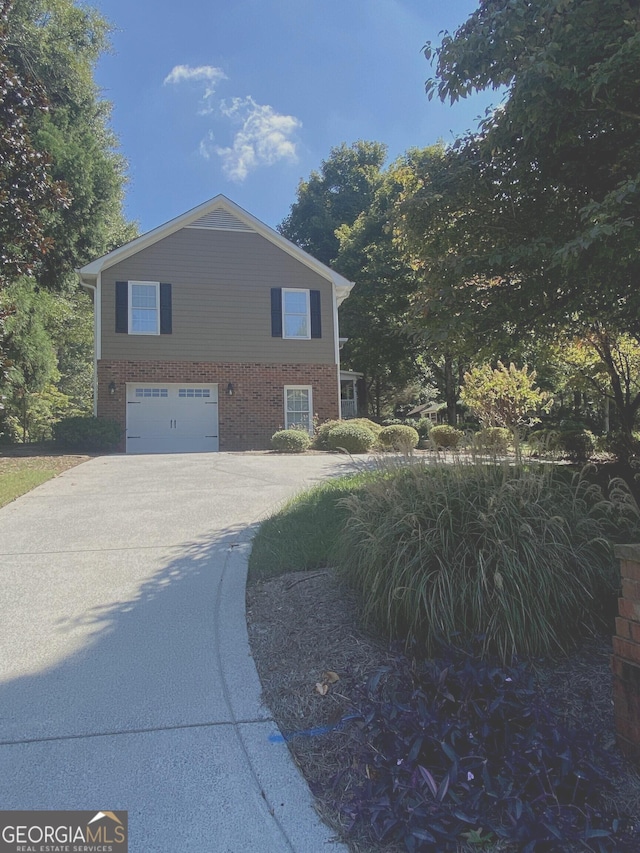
(398, 437)
(519, 555)
(423, 427)
(621, 445)
(321, 441)
(446, 436)
(291, 440)
(569, 425)
(542, 441)
(492, 440)
(87, 433)
(578, 444)
(351, 437)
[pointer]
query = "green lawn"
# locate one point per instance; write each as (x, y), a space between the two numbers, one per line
(301, 535)
(17, 483)
(20, 474)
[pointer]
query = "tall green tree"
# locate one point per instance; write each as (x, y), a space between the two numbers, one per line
(49, 342)
(374, 318)
(448, 339)
(57, 44)
(333, 197)
(28, 191)
(532, 224)
(606, 364)
(346, 215)
(31, 355)
(61, 193)
(341, 217)
(68, 320)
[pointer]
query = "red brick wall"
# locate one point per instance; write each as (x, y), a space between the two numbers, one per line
(249, 418)
(625, 661)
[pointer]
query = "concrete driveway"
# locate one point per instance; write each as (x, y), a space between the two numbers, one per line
(125, 675)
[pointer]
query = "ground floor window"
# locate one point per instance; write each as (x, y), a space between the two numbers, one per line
(298, 407)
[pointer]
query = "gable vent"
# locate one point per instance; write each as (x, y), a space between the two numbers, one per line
(220, 220)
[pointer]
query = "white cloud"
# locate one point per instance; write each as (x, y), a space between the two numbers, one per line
(264, 138)
(207, 74)
(206, 147)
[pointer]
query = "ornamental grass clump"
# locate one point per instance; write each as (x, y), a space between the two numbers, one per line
(519, 555)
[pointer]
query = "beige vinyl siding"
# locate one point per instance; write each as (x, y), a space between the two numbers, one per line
(221, 298)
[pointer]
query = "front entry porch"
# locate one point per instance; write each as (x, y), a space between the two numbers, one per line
(352, 394)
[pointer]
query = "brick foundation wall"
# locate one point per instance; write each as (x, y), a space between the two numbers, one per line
(625, 661)
(249, 418)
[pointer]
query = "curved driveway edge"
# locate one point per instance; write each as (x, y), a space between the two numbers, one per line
(126, 680)
(280, 783)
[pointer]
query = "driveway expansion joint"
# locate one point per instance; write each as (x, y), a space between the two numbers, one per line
(143, 731)
(96, 550)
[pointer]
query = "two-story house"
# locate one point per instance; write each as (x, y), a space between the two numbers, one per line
(213, 331)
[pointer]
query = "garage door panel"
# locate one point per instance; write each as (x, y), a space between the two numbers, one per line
(149, 417)
(151, 444)
(172, 418)
(196, 412)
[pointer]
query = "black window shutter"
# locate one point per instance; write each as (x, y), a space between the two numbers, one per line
(165, 309)
(314, 303)
(122, 306)
(276, 312)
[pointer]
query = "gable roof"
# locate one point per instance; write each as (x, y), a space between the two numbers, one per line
(219, 213)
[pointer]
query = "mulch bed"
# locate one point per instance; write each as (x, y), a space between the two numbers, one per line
(303, 630)
(17, 457)
(303, 627)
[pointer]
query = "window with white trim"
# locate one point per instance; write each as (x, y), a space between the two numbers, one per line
(296, 314)
(144, 308)
(298, 407)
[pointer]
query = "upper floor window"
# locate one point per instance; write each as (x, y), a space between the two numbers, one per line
(295, 313)
(296, 320)
(144, 308)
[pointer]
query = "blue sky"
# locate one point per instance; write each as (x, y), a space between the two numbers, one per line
(246, 97)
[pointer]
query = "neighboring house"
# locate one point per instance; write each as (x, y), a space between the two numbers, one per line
(212, 332)
(436, 412)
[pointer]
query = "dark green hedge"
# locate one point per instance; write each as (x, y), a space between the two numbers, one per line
(82, 433)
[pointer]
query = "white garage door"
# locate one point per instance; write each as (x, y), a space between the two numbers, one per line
(171, 418)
